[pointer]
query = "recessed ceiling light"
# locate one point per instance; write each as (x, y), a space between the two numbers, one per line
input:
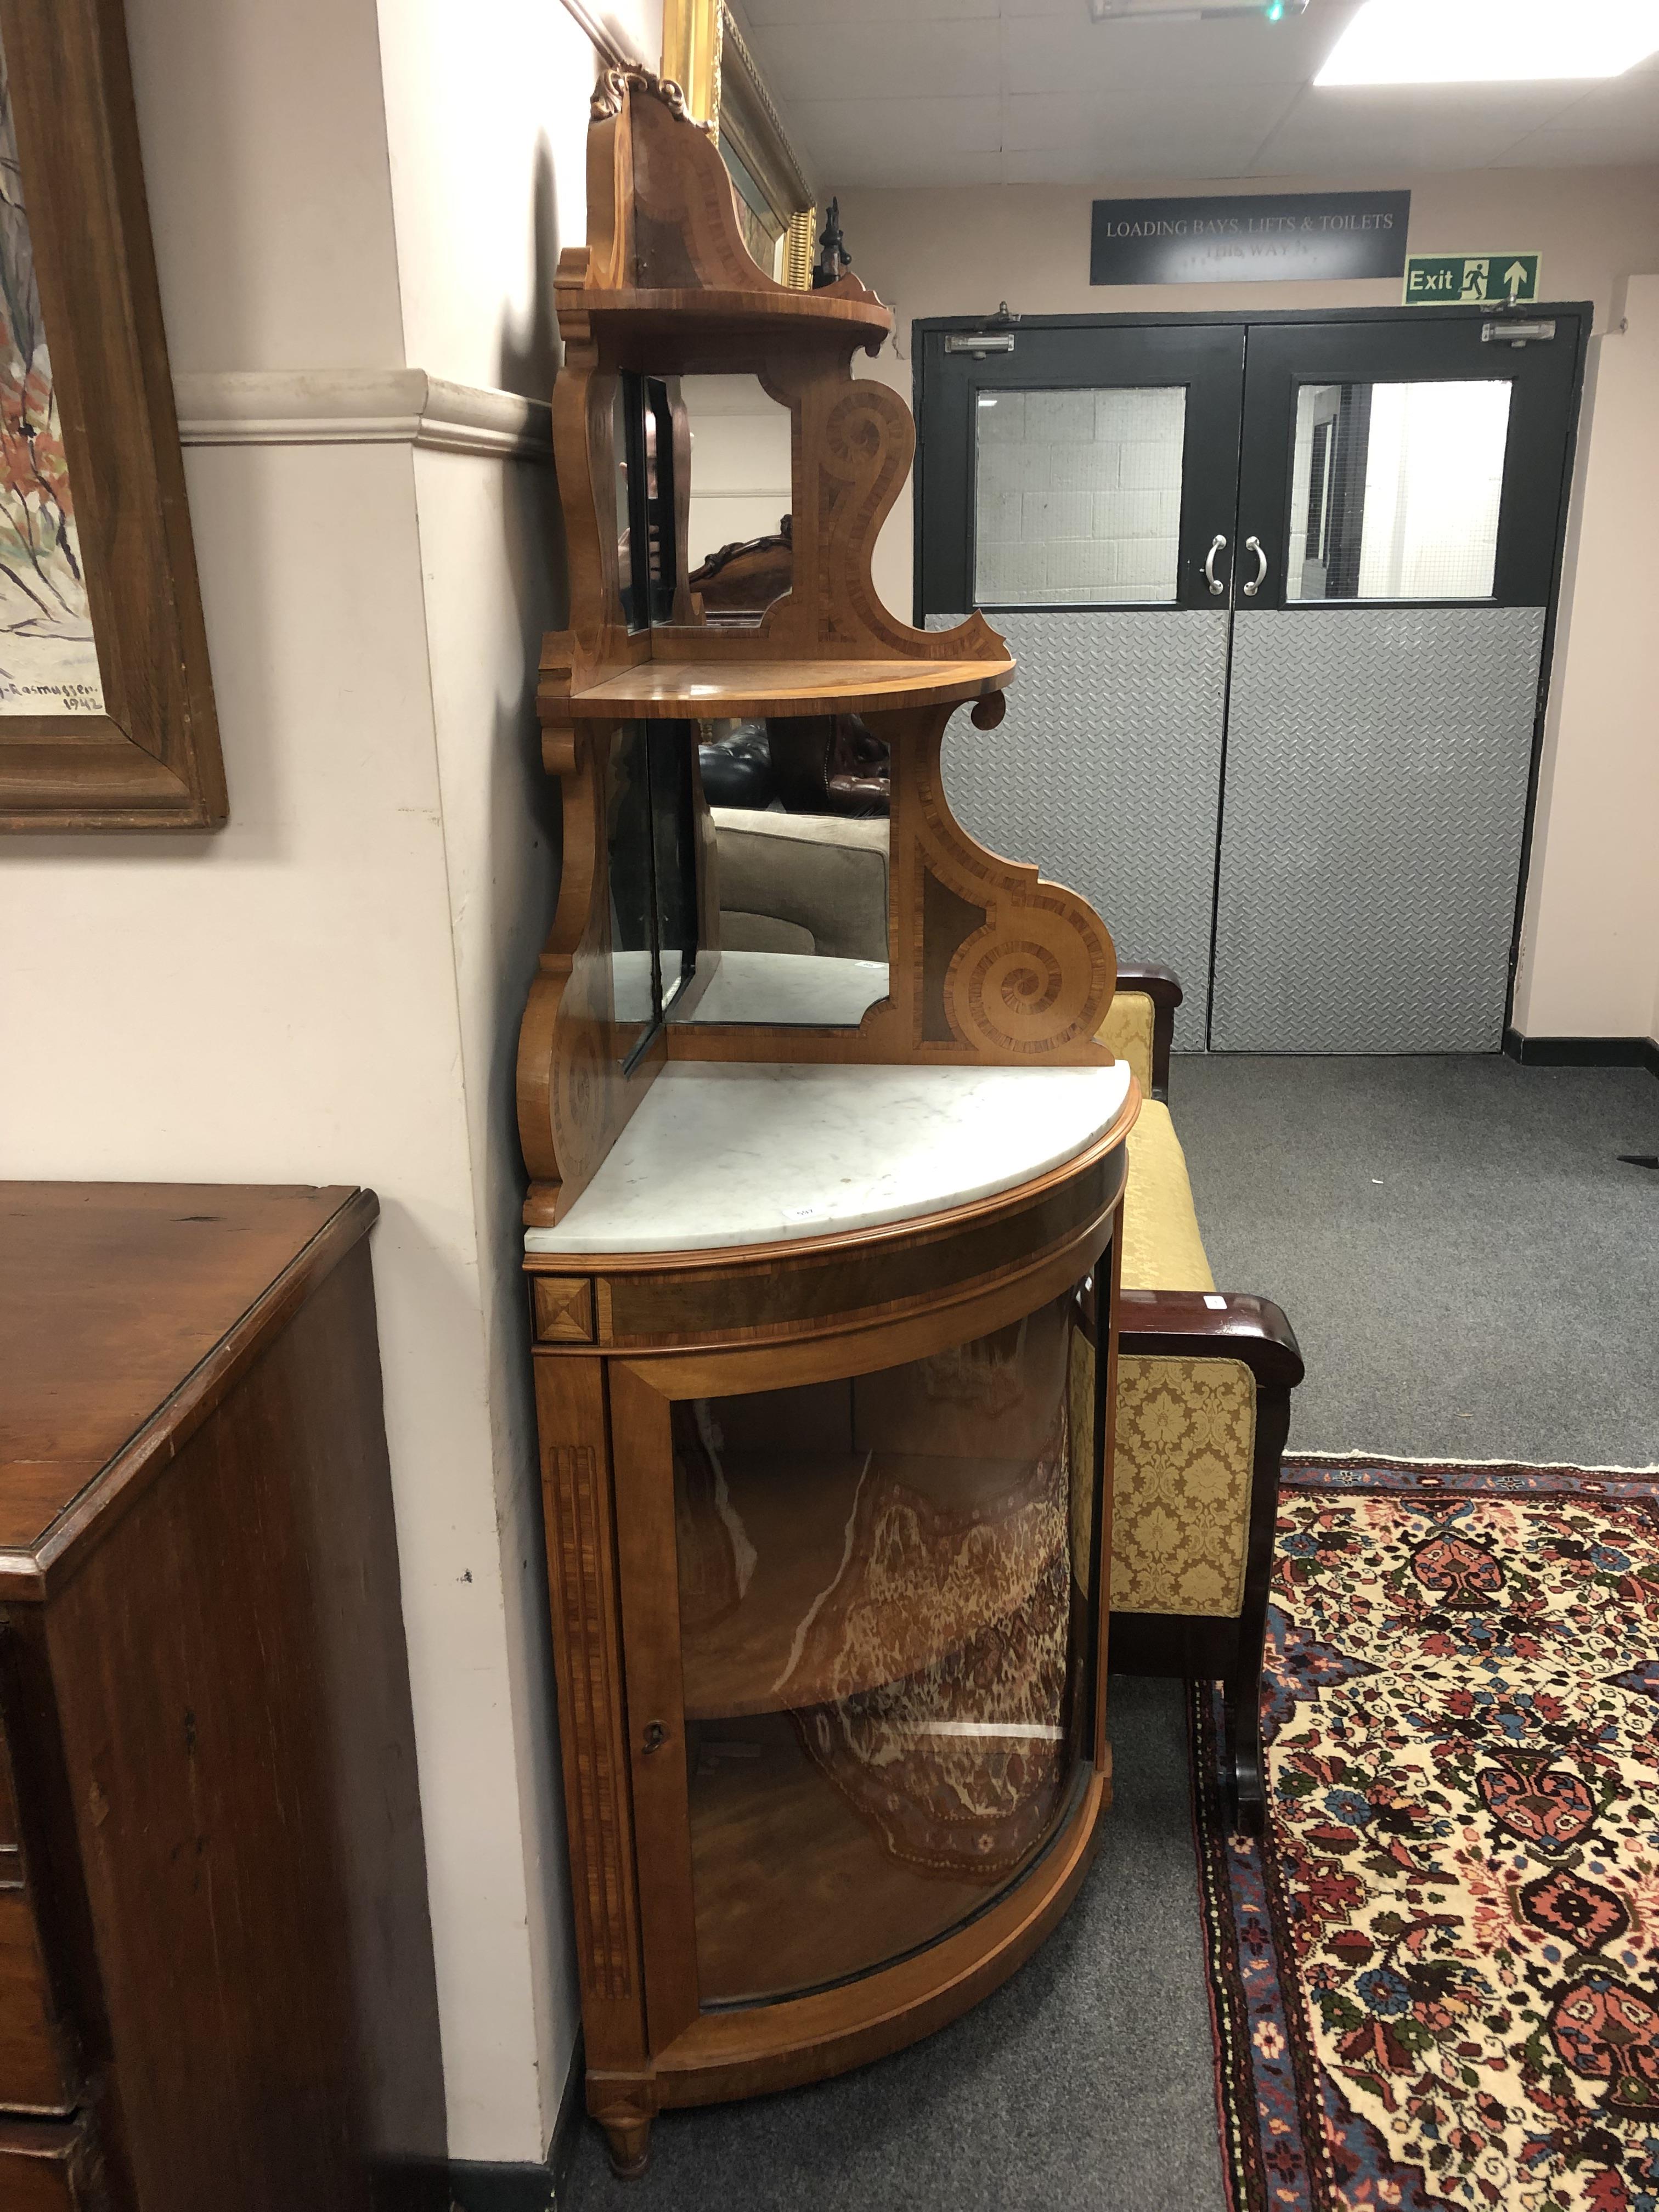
(1490, 42)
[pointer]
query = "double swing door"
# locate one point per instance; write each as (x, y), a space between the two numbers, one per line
(1281, 590)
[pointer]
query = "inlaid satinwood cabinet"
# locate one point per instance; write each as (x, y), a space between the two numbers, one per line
(820, 1244)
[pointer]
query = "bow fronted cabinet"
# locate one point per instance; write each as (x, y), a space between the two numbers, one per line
(821, 1246)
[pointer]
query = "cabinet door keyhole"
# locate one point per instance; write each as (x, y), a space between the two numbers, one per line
(655, 1735)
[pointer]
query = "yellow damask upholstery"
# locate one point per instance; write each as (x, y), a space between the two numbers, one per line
(1186, 1428)
(1181, 1506)
(1127, 1030)
(1162, 1248)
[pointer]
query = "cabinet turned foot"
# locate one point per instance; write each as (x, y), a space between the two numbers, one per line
(629, 2143)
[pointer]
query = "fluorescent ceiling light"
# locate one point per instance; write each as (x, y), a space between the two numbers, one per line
(1490, 42)
(1191, 11)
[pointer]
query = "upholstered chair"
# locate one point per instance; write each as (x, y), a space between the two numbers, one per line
(1204, 1386)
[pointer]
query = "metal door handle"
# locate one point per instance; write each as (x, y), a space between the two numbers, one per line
(1254, 545)
(1217, 587)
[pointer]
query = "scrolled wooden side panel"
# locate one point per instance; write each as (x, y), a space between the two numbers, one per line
(988, 963)
(573, 1096)
(853, 441)
(1033, 980)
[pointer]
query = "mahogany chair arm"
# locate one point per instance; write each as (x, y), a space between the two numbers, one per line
(1184, 1325)
(1162, 987)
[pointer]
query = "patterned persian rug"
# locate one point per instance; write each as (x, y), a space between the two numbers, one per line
(1436, 1981)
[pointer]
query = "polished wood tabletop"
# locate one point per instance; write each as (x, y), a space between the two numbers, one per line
(109, 1294)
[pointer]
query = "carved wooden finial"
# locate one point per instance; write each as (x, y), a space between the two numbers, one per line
(607, 98)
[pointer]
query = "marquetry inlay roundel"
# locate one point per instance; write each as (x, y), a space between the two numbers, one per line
(1029, 987)
(862, 430)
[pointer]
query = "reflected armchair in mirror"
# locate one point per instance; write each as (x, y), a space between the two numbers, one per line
(738, 582)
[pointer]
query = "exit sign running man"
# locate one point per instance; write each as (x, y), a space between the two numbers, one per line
(1479, 280)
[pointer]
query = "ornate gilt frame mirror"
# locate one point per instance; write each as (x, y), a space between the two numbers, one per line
(704, 52)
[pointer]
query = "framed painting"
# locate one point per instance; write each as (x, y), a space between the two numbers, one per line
(107, 716)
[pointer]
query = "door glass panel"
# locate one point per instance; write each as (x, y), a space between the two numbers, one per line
(1078, 500)
(1395, 490)
(885, 1617)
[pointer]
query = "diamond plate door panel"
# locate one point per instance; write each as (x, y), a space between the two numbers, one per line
(1377, 767)
(1106, 773)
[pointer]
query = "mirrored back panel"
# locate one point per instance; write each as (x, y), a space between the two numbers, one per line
(799, 809)
(650, 845)
(738, 547)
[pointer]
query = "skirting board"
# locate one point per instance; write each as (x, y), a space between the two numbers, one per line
(481, 2185)
(1583, 1052)
(475, 2186)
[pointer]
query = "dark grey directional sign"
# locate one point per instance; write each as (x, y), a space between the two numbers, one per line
(1250, 238)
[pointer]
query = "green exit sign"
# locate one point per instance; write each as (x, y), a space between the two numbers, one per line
(1479, 280)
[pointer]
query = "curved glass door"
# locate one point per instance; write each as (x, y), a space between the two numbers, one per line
(888, 1633)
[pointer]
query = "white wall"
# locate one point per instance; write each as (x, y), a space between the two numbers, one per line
(266, 165)
(329, 989)
(1590, 939)
(487, 178)
(740, 480)
(277, 1004)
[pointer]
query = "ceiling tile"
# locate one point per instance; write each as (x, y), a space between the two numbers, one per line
(883, 142)
(1337, 130)
(886, 59)
(1053, 165)
(966, 91)
(830, 21)
(1213, 136)
(1167, 59)
(902, 166)
(1608, 146)
(1057, 120)
(1622, 100)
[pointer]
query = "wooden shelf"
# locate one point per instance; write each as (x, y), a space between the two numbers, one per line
(744, 315)
(792, 1888)
(713, 690)
(795, 1509)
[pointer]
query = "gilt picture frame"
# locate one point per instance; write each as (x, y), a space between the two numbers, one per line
(707, 56)
(106, 711)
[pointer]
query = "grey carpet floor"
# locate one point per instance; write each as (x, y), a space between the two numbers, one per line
(1473, 1274)
(1472, 1271)
(1087, 2080)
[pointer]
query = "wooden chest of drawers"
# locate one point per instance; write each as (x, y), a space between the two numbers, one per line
(217, 1984)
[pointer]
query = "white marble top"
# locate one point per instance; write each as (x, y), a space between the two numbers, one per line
(792, 987)
(719, 1154)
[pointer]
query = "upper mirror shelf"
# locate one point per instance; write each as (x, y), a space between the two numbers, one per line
(703, 324)
(710, 690)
